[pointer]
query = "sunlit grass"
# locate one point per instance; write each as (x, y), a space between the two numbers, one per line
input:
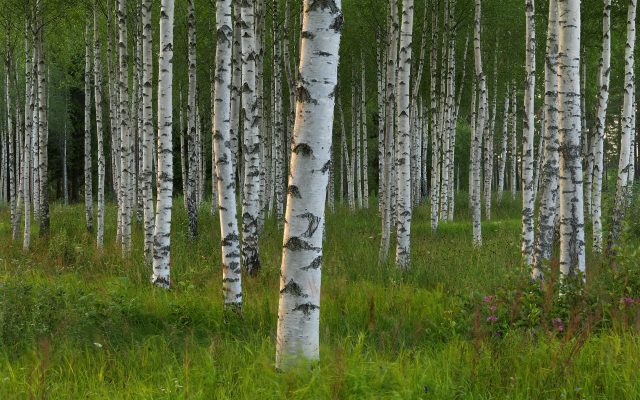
(76, 322)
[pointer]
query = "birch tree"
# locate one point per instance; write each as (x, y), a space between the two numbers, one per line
(231, 274)
(148, 136)
(88, 178)
(299, 307)
(477, 133)
(97, 76)
(162, 230)
(192, 145)
(550, 159)
(528, 136)
(403, 148)
(604, 69)
(251, 143)
(625, 163)
(571, 195)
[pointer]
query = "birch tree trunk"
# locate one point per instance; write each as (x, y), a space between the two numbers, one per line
(623, 188)
(88, 178)
(505, 139)
(604, 69)
(251, 143)
(299, 306)
(29, 91)
(389, 132)
(528, 137)
(231, 274)
(571, 195)
(489, 140)
(161, 234)
(365, 141)
(550, 159)
(477, 139)
(514, 142)
(148, 135)
(125, 135)
(97, 76)
(403, 149)
(435, 142)
(192, 145)
(43, 140)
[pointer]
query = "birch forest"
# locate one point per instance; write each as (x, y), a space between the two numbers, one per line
(310, 199)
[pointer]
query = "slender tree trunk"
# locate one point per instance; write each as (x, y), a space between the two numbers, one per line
(88, 178)
(389, 132)
(251, 144)
(528, 130)
(477, 139)
(365, 141)
(403, 149)
(571, 196)
(97, 74)
(148, 135)
(192, 146)
(514, 142)
(299, 308)
(623, 187)
(43, 132)
(161, 234)
(489, 140)
(231, 274)
(435, 142)
(502, 170)
(29, 91)
(125, 134)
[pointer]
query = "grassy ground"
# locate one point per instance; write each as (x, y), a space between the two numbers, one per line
(77, 323)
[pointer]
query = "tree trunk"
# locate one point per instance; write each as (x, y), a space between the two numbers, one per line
(623, 187)
(571, 196)
(97, 71)
(126, 186)
(299, 308)
(88, 178)
(148, 134)
(251, 143)
(528, 137)
(192, 145)
(161, 234)
(477, 139)
(231, 274)
(403, 149)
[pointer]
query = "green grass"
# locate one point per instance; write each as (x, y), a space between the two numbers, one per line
(78, 323)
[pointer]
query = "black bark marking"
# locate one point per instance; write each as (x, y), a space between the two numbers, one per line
(313, 221)
(306, 308)
(297, 244)
(294, 191)
(315, 264)
(303, 149)
(293, 289)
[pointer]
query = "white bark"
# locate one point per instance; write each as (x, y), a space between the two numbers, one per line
(28, 121)
(43, 140)
(192, 145)
(389, 132)
(572, 254)
(97, 74)
(88, 178)
(514, 142)
(251, 143)
(161, 234)
(299, 308)
(365, 141)
(623, 187)
(477, 134)
(528, 130)
(403, 148)
(125, 134)
(435, 142)
(148, 134)
(231, 274)
(489, 141)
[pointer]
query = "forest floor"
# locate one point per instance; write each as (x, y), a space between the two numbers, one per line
(78, 323)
